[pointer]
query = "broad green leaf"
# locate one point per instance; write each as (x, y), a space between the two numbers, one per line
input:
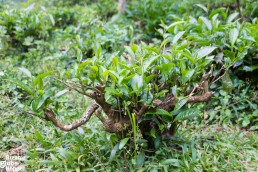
(205, 51)
(207, 22)
(105, 74)
(130, 52)
(28, 41)
(113, 75)
(217, 11)
(246, 121)
(187, 75)
(160, 112)
(51, 19)
(60, 93)
(113, 152)
(30, 7)
(164, 43)
(227, 84)
(149, 78)
(233, 34)
(177, 37)
(180, 104)
(174, 91)
(20, 84)
(172, 162)
(153, 133)
(173, 25)
(95, 68)
(26, 71)
(187, 114)
(54, 158)
(137, 82)
(43, 98)
(253, 128)
(39, 136)
(140, 160)
(125, 80)
(202, 7)
(123, 143)
(148, 61)
(165, 68)
(232, 16)
(134, 48)
(42, 76)
(250, 68)
(66, 154)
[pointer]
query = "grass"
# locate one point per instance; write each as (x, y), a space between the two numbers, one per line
(199, 148)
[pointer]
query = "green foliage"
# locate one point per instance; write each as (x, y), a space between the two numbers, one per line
(239, 106)
(154, 43)
(24, 29)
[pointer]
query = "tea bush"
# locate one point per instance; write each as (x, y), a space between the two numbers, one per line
(163, 87)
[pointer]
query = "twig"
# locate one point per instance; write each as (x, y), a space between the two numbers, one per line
(72, 87)
(219, 77)
(50, 116)
(222, 68)
(34, 114)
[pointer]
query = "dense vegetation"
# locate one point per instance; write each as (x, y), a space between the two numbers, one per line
(166, 85)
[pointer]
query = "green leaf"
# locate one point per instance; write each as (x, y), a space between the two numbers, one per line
(51, 19)
(28, 41)
(160, 112)
(149, 78)
(227, 84)
(202, 7)
(26, 71)
(173, 162)
(253, 128)
(187, 75)
(134, 48)
(60, 93)
(246, 121)
(95, 68)
(79, 54)
(43, 98)
(153, 133)
(187, 114)
(180, 104)
(177, 37)
(231, 17)
(207, 22)
(148, 62)
(66, 155)
(123, 143)
(20, 84)
(130, 52)
(170, 27)
(39, 136)
(140, 160)
(113, 152)
(39, 78)
(233, 34)
(250, 68)
(205, 51)
(137, 82)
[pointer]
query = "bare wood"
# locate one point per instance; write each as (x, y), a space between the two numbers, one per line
(73, 88)
(100, 116)
(50, 116)
(171, 101)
